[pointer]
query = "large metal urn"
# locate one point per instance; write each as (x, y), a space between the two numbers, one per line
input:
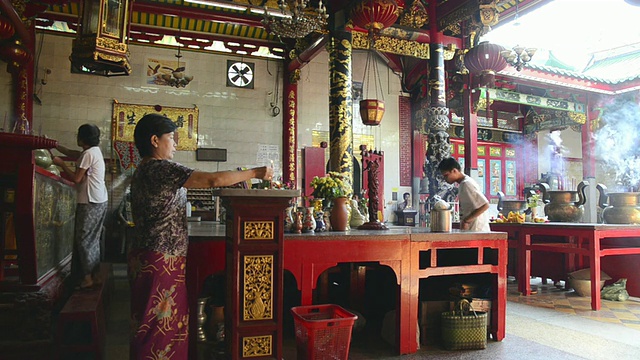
(564, 205)
(505, 206)
(619, 207)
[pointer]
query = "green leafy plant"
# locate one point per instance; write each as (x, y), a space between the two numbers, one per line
(534, 200)
(330, 187)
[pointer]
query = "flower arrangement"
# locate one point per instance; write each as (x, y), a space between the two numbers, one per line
(330, 187)
(534, 200)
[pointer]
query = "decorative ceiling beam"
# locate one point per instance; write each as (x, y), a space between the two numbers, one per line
(10, 13)
(197, 14)
(308, 54)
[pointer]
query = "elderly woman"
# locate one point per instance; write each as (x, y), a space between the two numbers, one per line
(157, 260)
(91, 209)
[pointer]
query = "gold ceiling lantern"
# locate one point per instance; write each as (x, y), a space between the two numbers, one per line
(295, 19)
(100, 46)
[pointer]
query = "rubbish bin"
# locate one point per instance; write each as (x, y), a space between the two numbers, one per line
(322, 331)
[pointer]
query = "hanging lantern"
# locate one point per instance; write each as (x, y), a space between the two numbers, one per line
(100, 47)
(15, 55)
(6, 28)
(371, 108)
(375, 15)
(371, 111)
(484, 60)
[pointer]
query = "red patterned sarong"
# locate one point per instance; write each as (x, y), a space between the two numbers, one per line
(159, 307)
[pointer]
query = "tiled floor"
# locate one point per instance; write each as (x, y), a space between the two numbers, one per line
(552, 324)
(556, 298)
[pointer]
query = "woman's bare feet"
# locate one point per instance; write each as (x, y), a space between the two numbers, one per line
(87, 282)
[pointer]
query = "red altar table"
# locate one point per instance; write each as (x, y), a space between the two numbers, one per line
(492, 250)
(590, 242)
(307, 256)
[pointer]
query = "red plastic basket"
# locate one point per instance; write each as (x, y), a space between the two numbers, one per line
(323, 331)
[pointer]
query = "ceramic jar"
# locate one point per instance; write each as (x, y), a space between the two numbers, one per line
(308, 221)
(42, 158)
(288, 219)
(340, 214)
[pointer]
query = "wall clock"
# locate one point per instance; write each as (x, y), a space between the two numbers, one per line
(240, 74)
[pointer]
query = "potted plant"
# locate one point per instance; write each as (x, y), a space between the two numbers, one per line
(331, 186)
(533, 201)
(335, 189)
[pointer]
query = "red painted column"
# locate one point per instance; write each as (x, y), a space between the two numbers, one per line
(290, 127)
(470, 133)
(588, 143)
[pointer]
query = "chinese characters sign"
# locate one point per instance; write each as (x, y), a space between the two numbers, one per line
(126, 116)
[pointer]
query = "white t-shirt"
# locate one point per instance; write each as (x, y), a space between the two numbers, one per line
(470, 198)
(92, 188)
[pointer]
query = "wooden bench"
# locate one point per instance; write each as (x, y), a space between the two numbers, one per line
(81, 323)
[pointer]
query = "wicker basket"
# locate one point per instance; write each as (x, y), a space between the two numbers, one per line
(462, 331)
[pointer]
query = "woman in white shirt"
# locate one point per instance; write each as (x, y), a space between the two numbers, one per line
(92, 203)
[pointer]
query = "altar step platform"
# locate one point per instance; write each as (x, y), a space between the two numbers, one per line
(81, 324)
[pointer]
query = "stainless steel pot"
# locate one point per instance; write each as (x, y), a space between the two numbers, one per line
(619, 207)
(440, 220)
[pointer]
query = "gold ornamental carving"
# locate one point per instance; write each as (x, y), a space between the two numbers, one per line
(392, 45)
(489, 14)
(291, 134)
(258, 287)
(254, 346)
(459, 15)
(294, 77)
(112, 44)
(258, 230)
(415, 17)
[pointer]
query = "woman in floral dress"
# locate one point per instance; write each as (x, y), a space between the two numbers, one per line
(157, 260)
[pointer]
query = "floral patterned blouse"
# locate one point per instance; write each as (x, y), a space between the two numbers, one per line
(158, 206)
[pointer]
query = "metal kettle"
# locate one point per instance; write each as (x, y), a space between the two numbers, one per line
(441, 217)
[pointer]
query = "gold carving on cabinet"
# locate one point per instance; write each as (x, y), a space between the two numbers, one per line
(258, 230)
(253, 346)
(112, 44)
(258, 287)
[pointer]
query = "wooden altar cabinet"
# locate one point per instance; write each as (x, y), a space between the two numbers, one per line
(588, 242)
(254, 267)
(308, 255)
(37, 211)
(491, 251)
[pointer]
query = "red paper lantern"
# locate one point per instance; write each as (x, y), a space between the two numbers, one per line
(485, 60)
(6, 28)
(375, 15)
(15, 55)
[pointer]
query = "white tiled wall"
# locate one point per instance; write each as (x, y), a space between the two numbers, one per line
(231, 118)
